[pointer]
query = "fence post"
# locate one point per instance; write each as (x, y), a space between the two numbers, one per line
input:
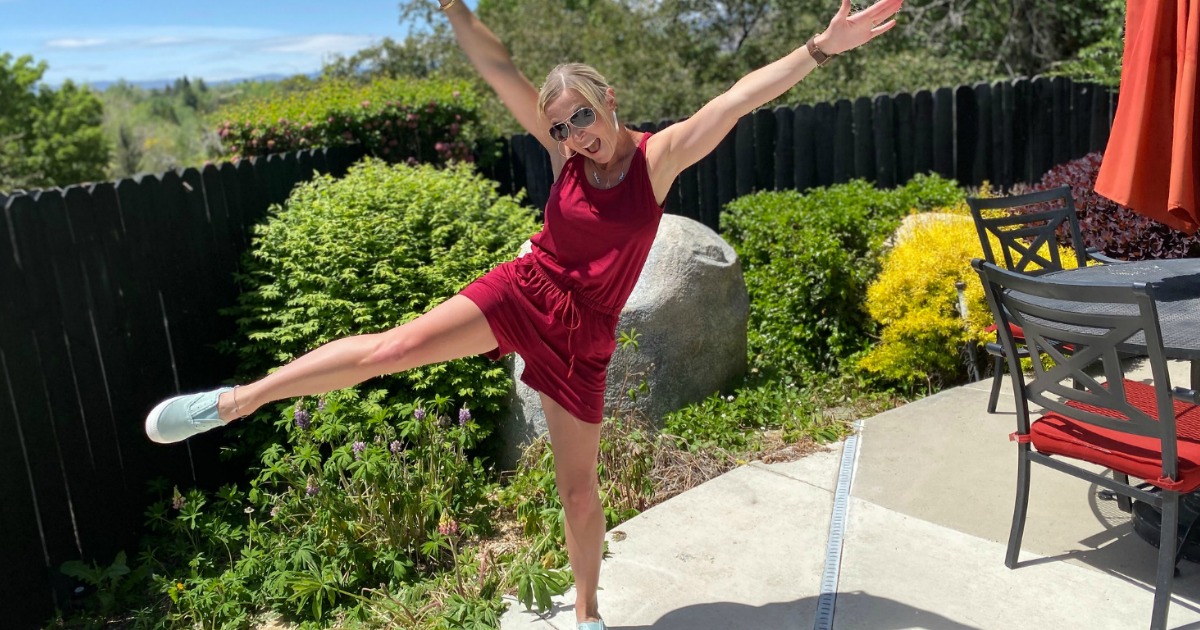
(1061, 90)
(745, 156)
(943, 132)
(864, 140)
(764, 149)
(805, 162)
(785, 148)
(1100, 121)
(905, 124)
(1002, 133)
(843, 141)
(923, 132)
(885, 141)
(1041, 132)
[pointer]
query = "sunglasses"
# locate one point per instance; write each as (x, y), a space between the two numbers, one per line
(581, 119)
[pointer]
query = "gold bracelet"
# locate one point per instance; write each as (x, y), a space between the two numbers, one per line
(443, 7)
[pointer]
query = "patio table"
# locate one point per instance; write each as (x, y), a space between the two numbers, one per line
(1176, 285)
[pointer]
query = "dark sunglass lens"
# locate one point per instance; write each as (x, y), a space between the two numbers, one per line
(584, 117)
(559, 132)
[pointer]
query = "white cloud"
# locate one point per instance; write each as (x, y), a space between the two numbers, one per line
(318, 44)
(75, 42)
(165, 36)
(168, 40)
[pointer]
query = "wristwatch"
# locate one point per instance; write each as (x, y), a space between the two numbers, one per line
(816, 53)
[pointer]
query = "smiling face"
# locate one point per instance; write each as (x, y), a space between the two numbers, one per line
(569, 87)
(598, 141)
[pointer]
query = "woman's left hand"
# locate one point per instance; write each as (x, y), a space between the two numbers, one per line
(848, 31)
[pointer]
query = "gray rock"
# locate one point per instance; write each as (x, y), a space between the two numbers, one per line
(689, 310)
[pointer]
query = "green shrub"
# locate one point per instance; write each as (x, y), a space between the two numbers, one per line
(807, 259)
(425, 121)
(363, 496)
(369, 252)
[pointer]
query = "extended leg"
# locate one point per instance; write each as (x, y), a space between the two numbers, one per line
(455, 328)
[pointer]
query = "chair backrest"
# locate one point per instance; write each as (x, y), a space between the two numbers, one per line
(1080, 327)
(1026, 231)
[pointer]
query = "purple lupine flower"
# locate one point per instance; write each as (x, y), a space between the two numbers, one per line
(312, 489)
(394, 447)
(358, 448)
(419, 413)
(447, 526)
(464, 415)
(178, 502)
(321, 404)
(302, 417)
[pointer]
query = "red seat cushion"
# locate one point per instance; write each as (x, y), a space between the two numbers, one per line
(1134, 455)
(1017, 333)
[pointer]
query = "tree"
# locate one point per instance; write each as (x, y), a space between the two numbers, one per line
(1100, 62)
(1020, 37)
(49, 137)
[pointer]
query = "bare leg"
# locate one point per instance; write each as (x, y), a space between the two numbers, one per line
(576, 447)
(455, 328)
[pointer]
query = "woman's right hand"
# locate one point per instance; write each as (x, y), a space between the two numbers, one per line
(848, 31)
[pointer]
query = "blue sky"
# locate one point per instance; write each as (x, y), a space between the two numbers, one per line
(94, 40)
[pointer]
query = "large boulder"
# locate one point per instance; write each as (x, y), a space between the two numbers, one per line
(689, 310)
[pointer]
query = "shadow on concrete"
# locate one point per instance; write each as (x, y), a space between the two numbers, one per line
(860, 610)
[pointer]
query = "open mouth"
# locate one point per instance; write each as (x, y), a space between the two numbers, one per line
(593, 147)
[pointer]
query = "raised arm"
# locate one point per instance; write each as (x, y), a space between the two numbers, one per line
(683, 144)
(495, 65)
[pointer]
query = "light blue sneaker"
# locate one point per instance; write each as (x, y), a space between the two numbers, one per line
(592, 625)
(179, 418)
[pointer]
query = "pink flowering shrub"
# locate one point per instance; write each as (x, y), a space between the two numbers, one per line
(1113, 229)
(397, 120)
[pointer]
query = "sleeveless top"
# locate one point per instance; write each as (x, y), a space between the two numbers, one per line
(595, 241)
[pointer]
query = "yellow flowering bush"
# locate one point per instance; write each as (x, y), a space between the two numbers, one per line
(914, 301)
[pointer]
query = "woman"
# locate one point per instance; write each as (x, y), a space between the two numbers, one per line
(557, 306)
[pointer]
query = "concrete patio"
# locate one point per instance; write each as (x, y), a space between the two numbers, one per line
(925, 532)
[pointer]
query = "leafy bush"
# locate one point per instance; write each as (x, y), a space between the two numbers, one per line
(807, 259)
(1113, 229)
(395, 119)
(352, 504)
(915, 302)
(369, 252)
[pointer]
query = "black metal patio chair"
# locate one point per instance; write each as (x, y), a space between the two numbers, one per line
(1025, 228)
(1094, 413)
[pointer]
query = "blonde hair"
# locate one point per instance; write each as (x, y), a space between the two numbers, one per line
(580, 77)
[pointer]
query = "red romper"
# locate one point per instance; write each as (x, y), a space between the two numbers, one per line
(557, 307)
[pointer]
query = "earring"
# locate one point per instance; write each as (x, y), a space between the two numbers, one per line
(560, 152)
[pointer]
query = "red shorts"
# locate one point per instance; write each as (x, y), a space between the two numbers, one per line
(566, 341)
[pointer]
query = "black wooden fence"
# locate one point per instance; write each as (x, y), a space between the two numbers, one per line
(108, 292)
(107, 301)
(1006, 132)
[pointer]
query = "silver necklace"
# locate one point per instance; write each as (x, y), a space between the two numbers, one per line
(596, 177)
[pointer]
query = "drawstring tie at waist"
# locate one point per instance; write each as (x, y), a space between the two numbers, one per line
(563, 307)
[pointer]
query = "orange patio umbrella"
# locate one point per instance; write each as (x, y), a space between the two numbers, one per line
(1150, 163)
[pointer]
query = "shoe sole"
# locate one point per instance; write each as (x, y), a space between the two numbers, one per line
(152, 422)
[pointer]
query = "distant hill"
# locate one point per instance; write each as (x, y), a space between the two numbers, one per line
(158, 84)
